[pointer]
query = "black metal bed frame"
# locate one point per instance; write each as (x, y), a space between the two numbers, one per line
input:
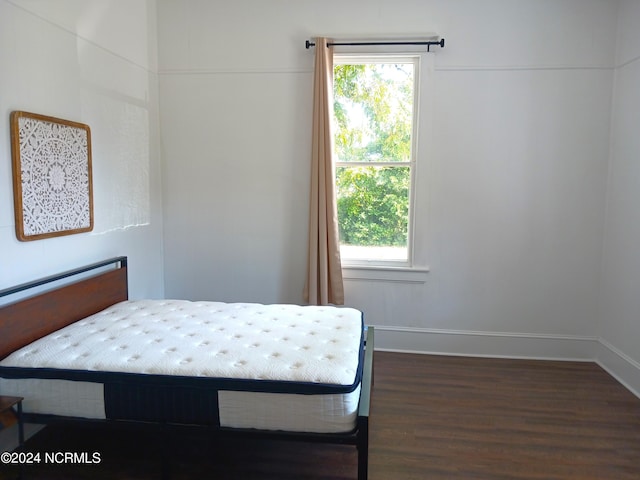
(359, 436)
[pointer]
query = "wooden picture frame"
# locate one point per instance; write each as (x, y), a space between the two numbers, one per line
(52, 178)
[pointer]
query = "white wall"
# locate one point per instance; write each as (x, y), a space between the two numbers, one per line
(94, 62)
(512, 178)
(620, 306)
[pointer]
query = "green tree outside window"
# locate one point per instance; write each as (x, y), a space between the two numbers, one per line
(373, 108)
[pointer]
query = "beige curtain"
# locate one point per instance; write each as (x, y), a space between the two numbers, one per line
(324, 270)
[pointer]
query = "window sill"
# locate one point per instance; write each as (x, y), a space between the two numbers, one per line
(385, 274)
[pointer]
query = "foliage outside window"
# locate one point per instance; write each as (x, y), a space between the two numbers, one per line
(374, 118)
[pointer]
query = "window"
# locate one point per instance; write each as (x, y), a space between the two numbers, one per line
(375, 125)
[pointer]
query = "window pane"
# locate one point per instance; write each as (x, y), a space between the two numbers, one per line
(373, 207)
(373, 108)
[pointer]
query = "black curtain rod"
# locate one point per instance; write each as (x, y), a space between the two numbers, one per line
(309, 44)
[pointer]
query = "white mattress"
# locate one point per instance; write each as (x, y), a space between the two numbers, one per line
(287, 344)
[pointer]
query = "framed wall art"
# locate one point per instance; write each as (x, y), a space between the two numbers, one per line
(52, 183)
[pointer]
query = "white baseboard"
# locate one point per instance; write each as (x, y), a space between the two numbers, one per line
(485, 344)
(512, 345)
(620, 366)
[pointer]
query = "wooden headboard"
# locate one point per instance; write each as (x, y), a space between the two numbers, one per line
(28, 319)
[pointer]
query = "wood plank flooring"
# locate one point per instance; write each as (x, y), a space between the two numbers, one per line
(437, 417)
(432, 418)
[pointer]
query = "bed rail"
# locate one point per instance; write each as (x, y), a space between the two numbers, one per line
(367, 377)
(362, 442)
(122, 261)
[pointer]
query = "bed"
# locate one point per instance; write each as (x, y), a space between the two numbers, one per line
(84, 352)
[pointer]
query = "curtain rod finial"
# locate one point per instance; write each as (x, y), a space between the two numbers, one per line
(309, 44)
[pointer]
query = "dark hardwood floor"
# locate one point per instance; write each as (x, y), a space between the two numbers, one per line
(437, 417)
(432, 418)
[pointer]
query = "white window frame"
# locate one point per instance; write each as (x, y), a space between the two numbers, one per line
(357, 268)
